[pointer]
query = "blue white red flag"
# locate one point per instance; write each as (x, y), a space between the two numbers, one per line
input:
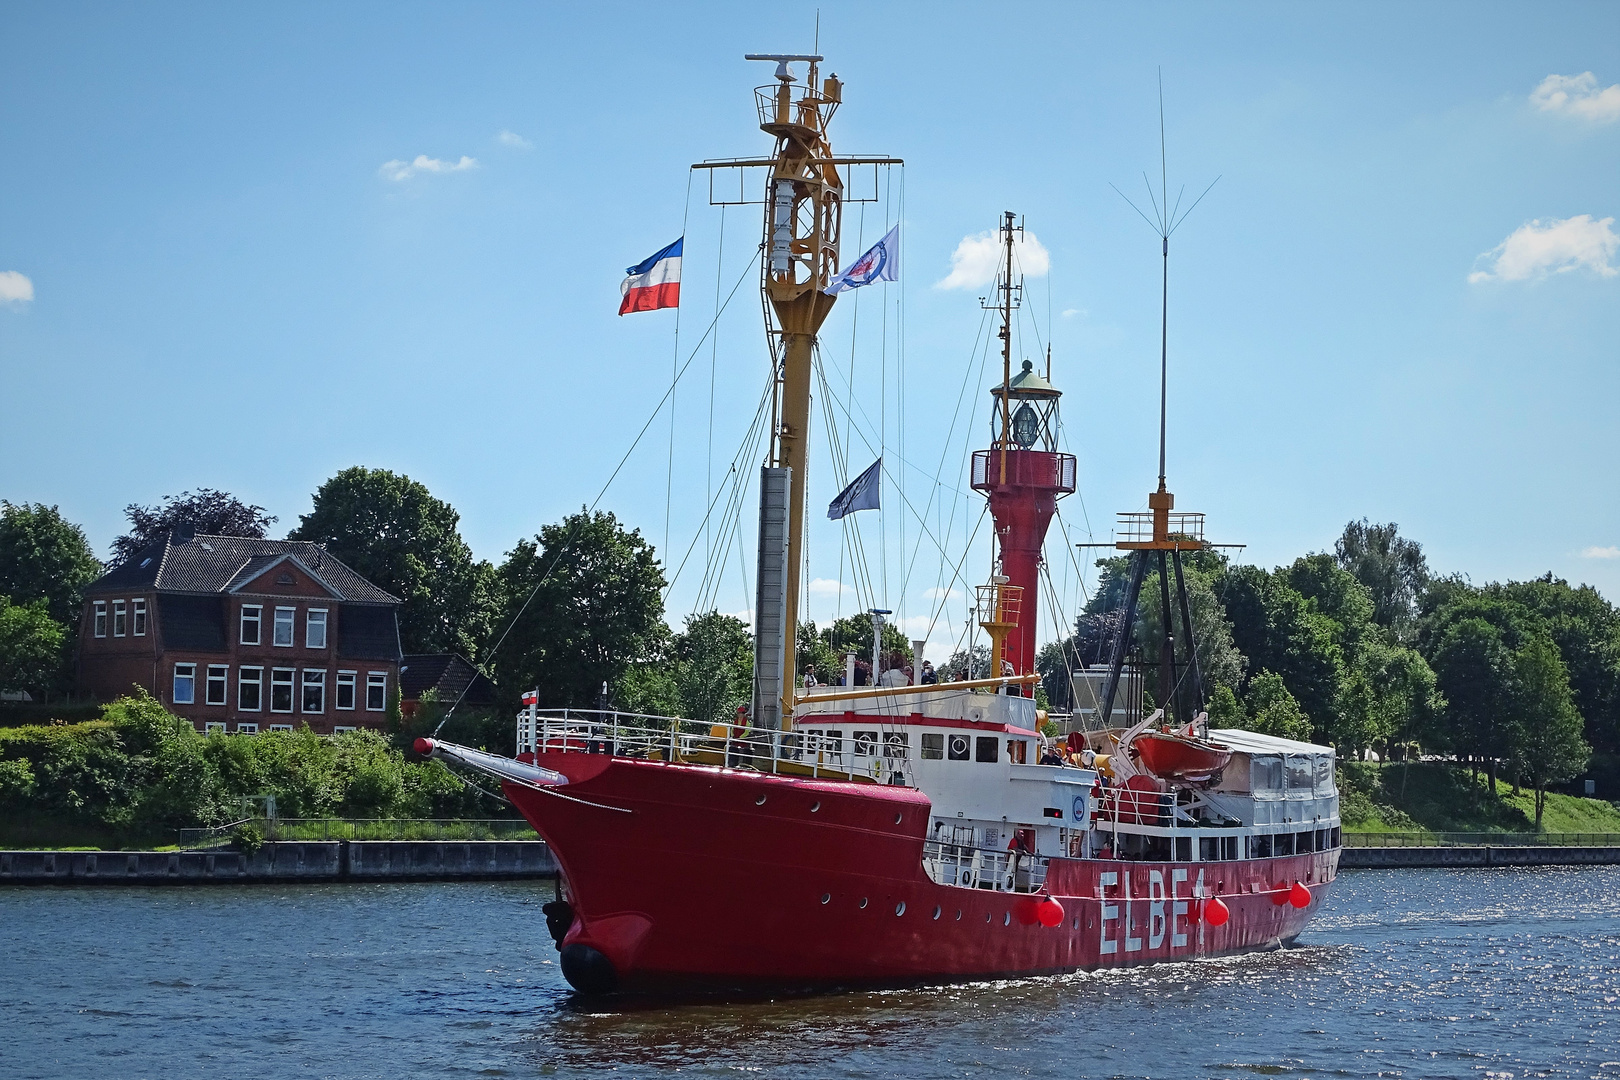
(882, 263)
(654, 282)
(862, 493)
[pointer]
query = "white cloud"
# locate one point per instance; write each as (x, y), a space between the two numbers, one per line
(1554, 246)
(828, 588)
(1578, 95)
(1075, 312)
(978, 258)
(936, 593)
(397, 170)
(1601, 553)
(15, 288)
(514, 140)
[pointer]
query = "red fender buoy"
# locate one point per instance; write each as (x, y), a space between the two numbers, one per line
(1216, 912)
(1049, 912)
(1299, 896)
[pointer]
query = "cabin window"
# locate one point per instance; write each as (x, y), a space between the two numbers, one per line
(896, 744)
(1184, 848)
(283, 633)
(1017, 751)
(957, 748)
(101, 618)
(933, 746)
(216, 684)
(249, 682)
(829, 742)
(345, 689)
(1333, 838)
(185, 684)
(987, 748)
(1324, 774)
(1260, 847)
(138, 614)
(866, 743)
(1229, 847)
(250, 623)
(1300, 773)
(119, 618)
(315, 629)
(1209, 848)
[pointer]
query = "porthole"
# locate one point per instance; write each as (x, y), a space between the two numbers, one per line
(826, 898)
(1007, 919)
(987, 916)
(936, 911)
(1077, 922)
(815, 806)
(899, 909)
(863, 902)
(958, 914)
(760, 801)
(897, 818)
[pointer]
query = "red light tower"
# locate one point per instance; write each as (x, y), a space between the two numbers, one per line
(1022, 473)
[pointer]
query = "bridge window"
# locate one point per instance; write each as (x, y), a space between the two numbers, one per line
(933, 746)
(987, 748)
(897, 744)
(866, 743)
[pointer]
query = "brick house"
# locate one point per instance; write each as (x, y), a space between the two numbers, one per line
(451, 676)
(237, 634)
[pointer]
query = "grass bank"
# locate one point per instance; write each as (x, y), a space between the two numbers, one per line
(1440, 797)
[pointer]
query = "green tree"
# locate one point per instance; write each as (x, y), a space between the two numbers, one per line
(390, 530)
(32, 647)
(1474, 670)
(43, 556)
(1392, 568)
(714, 666)
(1225, 710)
(1586, 629)
(1281, 631)
(1548, 746)
(205, 510)
(585, 602)
(1272, 710)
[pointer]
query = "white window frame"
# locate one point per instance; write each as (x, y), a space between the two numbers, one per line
(290, 622)
(99, 624)
(257, 620)
(220, 673)
(120, 618)
(280, 727)
(247, 729)
(310, 623)
(343, 730)
(378, 679)
(312, 677)
(345, 679)
(214, 725)
(137, 617)
(290, 682)
(190, 675)
(257, 682)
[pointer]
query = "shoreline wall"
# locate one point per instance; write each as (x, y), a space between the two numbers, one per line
(337, 860)
(1391, 858)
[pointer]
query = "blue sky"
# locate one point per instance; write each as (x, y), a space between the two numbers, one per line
(222, 265)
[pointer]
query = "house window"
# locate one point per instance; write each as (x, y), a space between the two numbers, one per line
(247, 729)
(216, 684)
(120, 619)
(251, 614)
(249, 682)
(280, 727)
(376, 691)
(314, 691)
(101, 618)
(315, 629)
(140, 617)
(283, 633)
(213, 726)
(345, 690)
(281, 689)
(341, 730)
(185, 684)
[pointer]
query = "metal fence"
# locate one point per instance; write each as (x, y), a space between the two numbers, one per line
(364, 829)
(1464, 839)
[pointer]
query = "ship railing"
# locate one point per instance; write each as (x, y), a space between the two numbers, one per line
(672, 738)
(983, 868)
(1136, 527)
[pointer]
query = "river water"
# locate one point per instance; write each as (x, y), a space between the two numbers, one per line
(1413, 973)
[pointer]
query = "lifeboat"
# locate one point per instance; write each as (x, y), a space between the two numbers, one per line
(1177, 757)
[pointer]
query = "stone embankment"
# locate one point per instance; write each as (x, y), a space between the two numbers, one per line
(1392, 858)
(337, 860)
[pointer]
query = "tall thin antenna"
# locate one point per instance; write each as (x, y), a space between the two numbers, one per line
(1165, 220)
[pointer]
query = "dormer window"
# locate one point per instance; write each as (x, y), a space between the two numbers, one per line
(283, 633)
(252, 615)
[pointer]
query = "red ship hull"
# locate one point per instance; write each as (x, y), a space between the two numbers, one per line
(689, 878)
